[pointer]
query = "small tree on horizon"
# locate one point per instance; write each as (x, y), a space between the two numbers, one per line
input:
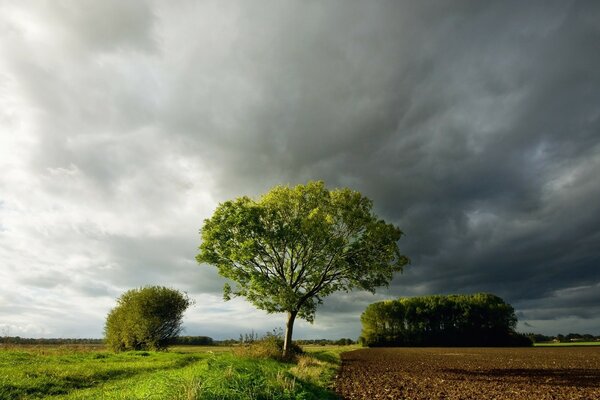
(147, 318)
(294, 246)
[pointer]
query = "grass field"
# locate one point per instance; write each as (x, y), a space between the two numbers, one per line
(569, 344)
(184, 372)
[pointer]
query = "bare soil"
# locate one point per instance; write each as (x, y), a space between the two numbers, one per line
(470, 373)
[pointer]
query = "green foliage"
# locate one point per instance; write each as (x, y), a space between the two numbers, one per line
(455, 320)
(295, 245)
(145, 319)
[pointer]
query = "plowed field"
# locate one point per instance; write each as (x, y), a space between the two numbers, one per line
(470, 373)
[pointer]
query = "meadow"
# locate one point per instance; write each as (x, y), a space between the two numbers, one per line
(221, 372)
(183, 372)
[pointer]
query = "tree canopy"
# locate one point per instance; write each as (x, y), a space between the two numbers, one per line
(480, 319)
(147, 318)
(293, 246)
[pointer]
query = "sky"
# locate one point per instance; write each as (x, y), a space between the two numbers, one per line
(473, 126)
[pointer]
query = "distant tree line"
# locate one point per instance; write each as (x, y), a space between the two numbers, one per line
(569, 338)
(180, 340)
(193, 340)
(54, 341)
(325, 342)
(480, 319)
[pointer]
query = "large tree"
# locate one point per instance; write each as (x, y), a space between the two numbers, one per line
(147, 318)
(295, 245)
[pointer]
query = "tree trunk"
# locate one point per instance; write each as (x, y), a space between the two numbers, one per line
(289, 328)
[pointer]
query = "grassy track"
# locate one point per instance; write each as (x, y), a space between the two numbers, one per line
(185, 372)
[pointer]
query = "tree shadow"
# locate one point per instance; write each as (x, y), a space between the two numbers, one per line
(315, 392)
(325, 356)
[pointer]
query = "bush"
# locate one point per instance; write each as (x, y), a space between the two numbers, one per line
(270, 346)
(145, 319)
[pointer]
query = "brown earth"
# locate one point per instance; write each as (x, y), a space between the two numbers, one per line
(470, 373)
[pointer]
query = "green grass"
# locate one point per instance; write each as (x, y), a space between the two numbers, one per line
(32, 374)
(566, 344)
(185, 372)
(200, 349)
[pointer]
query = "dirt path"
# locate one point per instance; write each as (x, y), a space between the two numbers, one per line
(470, 373)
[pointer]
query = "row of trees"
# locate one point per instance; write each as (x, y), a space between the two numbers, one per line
(50, 341)
(193, 341)
(454, 320)
(179, 340)
(324, 342)
(569, 338)
(577, 337)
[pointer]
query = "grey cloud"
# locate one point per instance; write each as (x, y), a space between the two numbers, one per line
(166, 260)
(582, 301)
(46, 280)
(105, 26)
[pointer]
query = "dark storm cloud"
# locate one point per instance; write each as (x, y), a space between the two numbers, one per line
(474, 127)
(515, 213)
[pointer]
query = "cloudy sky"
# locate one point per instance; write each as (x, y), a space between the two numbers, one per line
(474, 126)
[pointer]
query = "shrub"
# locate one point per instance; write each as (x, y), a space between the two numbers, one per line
(270, 346)
(145, 319)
